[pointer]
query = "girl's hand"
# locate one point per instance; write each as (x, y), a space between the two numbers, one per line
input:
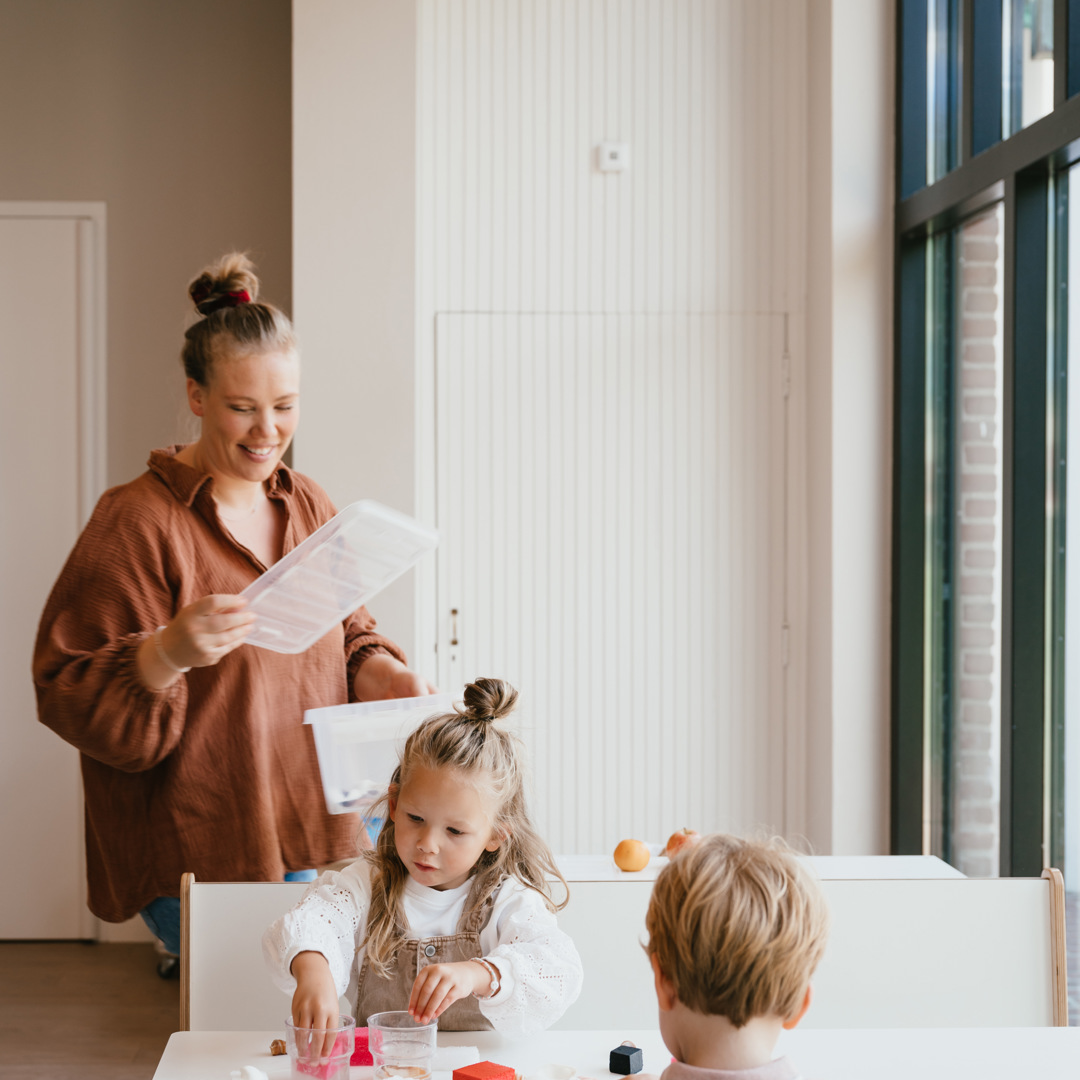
(314, 1005)
(438, 986)
(199, 636)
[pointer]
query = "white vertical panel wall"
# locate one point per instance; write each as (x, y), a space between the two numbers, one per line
(610, 502)
(606, 440)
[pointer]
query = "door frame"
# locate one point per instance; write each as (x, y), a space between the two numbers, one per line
(90, 219)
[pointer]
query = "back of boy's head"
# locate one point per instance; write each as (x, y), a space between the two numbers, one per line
(738, 926)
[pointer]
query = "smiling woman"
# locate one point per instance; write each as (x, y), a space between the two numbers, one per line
(194, 755)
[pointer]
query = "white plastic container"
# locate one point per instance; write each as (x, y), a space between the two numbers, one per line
(338, 568)
(358, 745)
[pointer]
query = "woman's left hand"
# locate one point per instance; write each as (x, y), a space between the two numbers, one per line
(438, 986)
(381, 677)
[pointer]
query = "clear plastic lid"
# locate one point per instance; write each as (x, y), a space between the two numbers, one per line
(358, 745)
(333, 572)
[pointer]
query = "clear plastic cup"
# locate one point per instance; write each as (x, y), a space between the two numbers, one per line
(321, 1053)
(400, 1046)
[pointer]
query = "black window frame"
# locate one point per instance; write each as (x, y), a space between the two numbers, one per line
(1019, 172)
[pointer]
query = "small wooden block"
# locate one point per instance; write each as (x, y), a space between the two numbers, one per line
(484, 1070)
(626, 1060)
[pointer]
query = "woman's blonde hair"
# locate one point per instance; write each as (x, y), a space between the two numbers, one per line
(471, 741)
(226, 295)
(738, 926)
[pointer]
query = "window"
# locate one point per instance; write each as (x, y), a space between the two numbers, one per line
(986, 562)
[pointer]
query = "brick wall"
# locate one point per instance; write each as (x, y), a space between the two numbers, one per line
(977, 571)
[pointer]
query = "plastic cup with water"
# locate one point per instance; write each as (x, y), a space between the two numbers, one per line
(400, 1047)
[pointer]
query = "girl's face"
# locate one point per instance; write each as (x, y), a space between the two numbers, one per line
(442, 825)
(249, 410)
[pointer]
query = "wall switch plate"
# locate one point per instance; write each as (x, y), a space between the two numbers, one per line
(613, 157)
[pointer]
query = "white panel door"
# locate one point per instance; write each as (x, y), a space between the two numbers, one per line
(43, 315)
(611, 506)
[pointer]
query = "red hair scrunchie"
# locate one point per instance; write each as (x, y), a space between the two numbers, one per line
(206, 306)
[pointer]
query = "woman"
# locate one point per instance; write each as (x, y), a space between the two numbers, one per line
(194, 755)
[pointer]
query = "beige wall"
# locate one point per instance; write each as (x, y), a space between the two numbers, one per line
(177, 116)
(354, 169)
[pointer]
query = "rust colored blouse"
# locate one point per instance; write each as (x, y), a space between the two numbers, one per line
(215, 774)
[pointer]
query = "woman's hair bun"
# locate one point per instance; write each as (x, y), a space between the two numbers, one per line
(489, 699)
(224, 284)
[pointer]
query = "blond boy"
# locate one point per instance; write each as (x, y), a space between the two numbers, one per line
(736, 928)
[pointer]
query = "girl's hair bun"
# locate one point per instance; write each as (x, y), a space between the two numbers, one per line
(228, 282)
(489, 699)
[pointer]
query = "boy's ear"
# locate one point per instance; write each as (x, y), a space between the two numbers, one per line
(666, 997)
(807, 998)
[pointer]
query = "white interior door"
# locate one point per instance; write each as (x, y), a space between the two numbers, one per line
(49, 259)
(611, 507)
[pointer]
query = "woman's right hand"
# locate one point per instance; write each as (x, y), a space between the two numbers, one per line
(199, 636)
(315, 1003)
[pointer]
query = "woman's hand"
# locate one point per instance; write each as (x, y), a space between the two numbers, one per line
(199, 636)
(438, 986)
(381, 676)
(314, 1005)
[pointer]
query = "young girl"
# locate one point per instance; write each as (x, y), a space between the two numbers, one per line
(451, 915)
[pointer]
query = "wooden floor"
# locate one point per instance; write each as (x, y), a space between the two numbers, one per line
(93, 1012)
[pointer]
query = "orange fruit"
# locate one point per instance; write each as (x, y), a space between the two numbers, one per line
(631, 855)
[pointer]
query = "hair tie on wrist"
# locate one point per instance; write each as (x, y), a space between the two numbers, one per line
(160, 647)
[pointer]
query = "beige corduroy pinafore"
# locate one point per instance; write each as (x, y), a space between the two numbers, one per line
(374, 993)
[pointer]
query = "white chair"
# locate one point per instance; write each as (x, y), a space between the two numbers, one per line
(224, 984)
(977, 952)
(901, 953)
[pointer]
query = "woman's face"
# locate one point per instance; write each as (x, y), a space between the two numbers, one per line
(249, 409)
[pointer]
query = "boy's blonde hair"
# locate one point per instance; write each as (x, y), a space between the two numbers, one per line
(738, 926)
(488, 757)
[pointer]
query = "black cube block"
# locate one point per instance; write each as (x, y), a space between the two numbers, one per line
(625, 1060)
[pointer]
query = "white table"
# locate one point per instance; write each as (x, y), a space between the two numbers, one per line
(894, 1054)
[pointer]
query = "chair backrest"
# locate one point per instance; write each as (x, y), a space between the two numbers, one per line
(984, 952)
(224, 985)
(901, 953)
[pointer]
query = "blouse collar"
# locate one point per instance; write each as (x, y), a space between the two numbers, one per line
(185, 482)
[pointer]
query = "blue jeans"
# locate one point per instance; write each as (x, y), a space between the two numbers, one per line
(163, 914)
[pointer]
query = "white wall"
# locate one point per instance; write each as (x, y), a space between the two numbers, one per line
(357, 271)
(850, 359)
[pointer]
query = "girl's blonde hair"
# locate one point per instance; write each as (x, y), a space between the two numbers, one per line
(489, 757)
(226, 294)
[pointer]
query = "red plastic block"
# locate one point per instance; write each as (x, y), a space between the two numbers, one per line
(361, 1054)
(484, 1070)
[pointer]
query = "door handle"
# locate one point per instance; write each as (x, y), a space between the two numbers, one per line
(453, 626)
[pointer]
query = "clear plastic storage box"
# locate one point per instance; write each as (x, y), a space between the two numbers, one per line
(333, 572)
(358, 745)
